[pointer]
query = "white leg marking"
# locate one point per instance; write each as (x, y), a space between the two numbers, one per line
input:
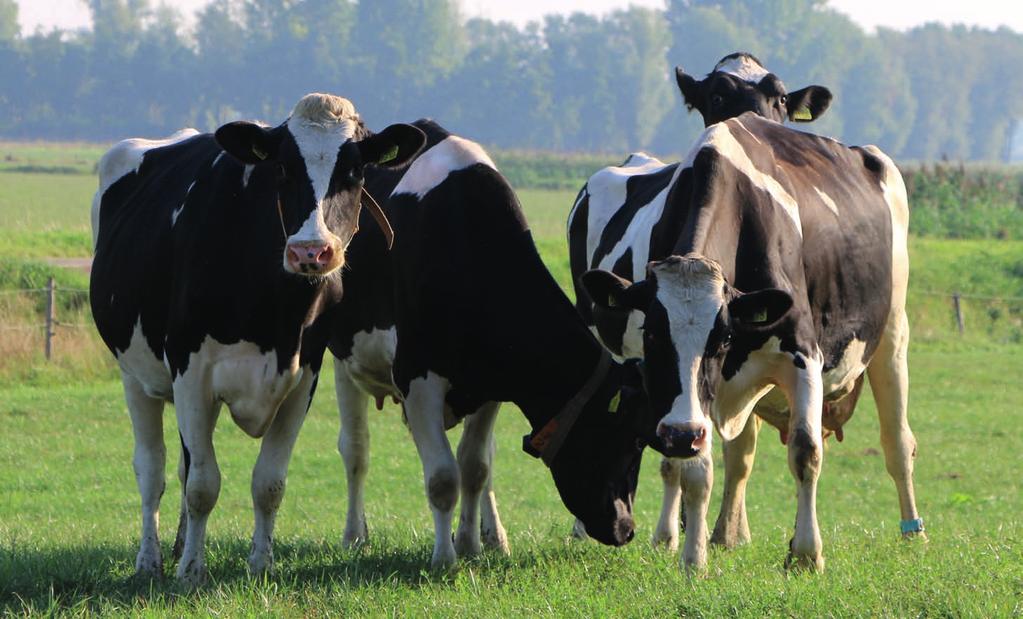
(666, 532)
(475, 455)
(149, 461)
(697, 481)
(424, 409)
(806, 455)
(353, 444)
(269, 477)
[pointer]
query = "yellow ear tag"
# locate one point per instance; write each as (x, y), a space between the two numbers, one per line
(611, 301)
(803, 113)
(612, 406)
(259, 152)
(389, 155)
(760, 316)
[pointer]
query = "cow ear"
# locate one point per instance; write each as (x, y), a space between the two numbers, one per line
(690, 90)
(393, 146)
(759, 311)
(248, 142)
(609, 291)
(808, 104)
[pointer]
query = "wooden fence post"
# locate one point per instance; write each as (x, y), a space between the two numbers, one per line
(959, 312)
(51, 318)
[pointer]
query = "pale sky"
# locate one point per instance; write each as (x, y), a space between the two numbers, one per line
(898, 14)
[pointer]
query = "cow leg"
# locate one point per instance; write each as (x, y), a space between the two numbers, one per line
(732, 527)
(697, 479)
(269, 477)
(889, 380)
(197, 418)
(149, 460)
(491, 529)
(474, 465)
(666, 532)
(424, 410)
(353, 443)
(806, 455)
(179, 538)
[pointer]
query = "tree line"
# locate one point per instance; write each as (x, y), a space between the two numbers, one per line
(566, 83)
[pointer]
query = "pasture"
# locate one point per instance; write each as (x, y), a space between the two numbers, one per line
(69, 506)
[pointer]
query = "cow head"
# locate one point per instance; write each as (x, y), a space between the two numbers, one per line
(693, 319)
(316, 159)
(597, 468)
(739, 83)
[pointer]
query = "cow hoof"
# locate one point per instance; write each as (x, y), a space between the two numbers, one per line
(149, 565)
(443, 563)
(812, 564)
(666, 540)
(193, 575)
(919, 536)
(261, 563)
(467, 545)
(355, 537)
(694, 569)
(496, 539)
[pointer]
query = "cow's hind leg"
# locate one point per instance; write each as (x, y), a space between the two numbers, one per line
(269, 477)
(889, 380)
(666, 533)
(491, 530)
(148, 461)
(197, 418)
(732, 527)
(424, 410)
(353, 444)
(474, 465)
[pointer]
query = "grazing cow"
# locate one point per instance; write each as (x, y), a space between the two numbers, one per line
(463, 316)
(779, 260)
(363, 341)
(215, 255)
(739, 83)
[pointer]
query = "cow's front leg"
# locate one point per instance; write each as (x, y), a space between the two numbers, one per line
(269, 477)
(148, 461)
(197, 417)
(353, 444)
(474, 464)
(732, 527)
(697, 479)
(666, 533)
(806, 455)
(424, 410)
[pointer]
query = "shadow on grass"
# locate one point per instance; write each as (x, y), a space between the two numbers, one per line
(102, 577)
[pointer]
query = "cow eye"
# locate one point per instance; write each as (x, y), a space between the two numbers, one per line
(726, 340)
(355, 175)
(783, 99)
(282, 173)
(716, 100)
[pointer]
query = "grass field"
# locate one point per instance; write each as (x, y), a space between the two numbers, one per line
(69, 507)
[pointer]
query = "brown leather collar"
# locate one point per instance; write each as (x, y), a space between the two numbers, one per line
(379, 216)
(546, 442)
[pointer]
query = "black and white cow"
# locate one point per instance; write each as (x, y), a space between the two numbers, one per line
(214, 257)
(769, 258)
(739, 83)
(462, 316)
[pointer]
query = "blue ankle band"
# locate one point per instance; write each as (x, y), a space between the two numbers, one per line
(912, 526)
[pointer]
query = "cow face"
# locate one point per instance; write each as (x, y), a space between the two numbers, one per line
(316, 159)
(693, 320)
(739, 83)
(597, 469)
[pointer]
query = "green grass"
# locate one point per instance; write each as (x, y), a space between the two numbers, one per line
(68, 521)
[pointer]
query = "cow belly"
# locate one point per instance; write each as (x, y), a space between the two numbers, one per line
(248, 381)
(839, 380)
(371, 361)
(141, 363)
